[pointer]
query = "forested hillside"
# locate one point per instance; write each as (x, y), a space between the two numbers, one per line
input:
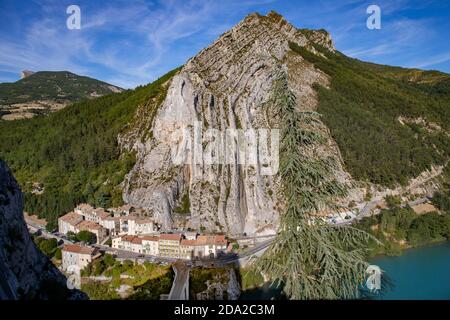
(54, 85)
(398, 227)
(72, 156)
(47, 91)
(390, 123)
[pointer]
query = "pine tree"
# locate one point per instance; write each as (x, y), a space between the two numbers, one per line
(312, 259)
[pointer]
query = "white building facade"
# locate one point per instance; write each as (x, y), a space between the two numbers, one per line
(79, 256)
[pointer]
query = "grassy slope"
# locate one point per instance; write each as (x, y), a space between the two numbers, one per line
(362, 107)
(74, 152)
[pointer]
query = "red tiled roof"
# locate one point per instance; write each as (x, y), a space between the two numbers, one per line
(71, 218)
(136, 240)
(170, 236)
(101, 213)
(132, 239)
(84, 206)
(220, 239)
(112, 218)
(127, 238)
(79, 249)
(185, 242)
(88, 225)
(211, 239)
(150, 238)
(88, 209)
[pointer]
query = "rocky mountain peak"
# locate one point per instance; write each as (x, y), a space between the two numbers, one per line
(225, 86)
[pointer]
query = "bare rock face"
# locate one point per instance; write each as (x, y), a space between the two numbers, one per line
(25, 73)
(224, 87)
(25, 272)
(221, 287)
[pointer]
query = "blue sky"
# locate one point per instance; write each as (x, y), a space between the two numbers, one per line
(128, 43)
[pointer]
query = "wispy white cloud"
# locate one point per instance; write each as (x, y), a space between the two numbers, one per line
(395, 36)
(433, 61)
(131, 43)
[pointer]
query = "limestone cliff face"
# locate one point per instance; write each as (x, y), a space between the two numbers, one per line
(25, 272)
(222, 287)
(225, 87)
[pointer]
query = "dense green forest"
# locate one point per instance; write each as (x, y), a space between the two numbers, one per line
(148, 280)
(73, 154)
(362, 107)
(52, 85)
(398, 227)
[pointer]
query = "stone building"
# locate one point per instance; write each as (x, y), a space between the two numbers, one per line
(78, 256)
(169, 245)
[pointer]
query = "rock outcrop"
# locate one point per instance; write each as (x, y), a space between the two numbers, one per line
(25, 272)
(224, 87)
(224, 286)
(25, 73)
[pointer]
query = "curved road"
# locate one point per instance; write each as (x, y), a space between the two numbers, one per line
(180, 281)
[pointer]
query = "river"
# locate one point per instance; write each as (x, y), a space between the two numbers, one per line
(420, 273)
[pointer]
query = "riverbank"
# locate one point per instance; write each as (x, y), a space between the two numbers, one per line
(418, 274)
(397, 229)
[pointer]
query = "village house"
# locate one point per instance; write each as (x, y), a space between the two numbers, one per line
(95, 228)
(91, 214)
(169, 245)
(210, 246)
(174, 245)
(68, 222)
(112, 224)
(190, 235)
(116, 243)
(128, 225)
(187, 249)
(137, 226)
(120, 221)
(150, 245)
(124, 210)
(137, 234)
(79, 256)
(129, 243)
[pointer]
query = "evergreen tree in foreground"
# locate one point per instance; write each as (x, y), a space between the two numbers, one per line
(314, 260)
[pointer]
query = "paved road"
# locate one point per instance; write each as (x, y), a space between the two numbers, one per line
(122, 254)
(418, 201)
(372, 204)
(232, 258)
(256, 237)
(44, 233)
(179, 283)
(368, 209)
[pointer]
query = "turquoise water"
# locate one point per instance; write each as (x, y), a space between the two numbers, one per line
(421, 273)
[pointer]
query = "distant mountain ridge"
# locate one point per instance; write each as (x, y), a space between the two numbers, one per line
(47, 91)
